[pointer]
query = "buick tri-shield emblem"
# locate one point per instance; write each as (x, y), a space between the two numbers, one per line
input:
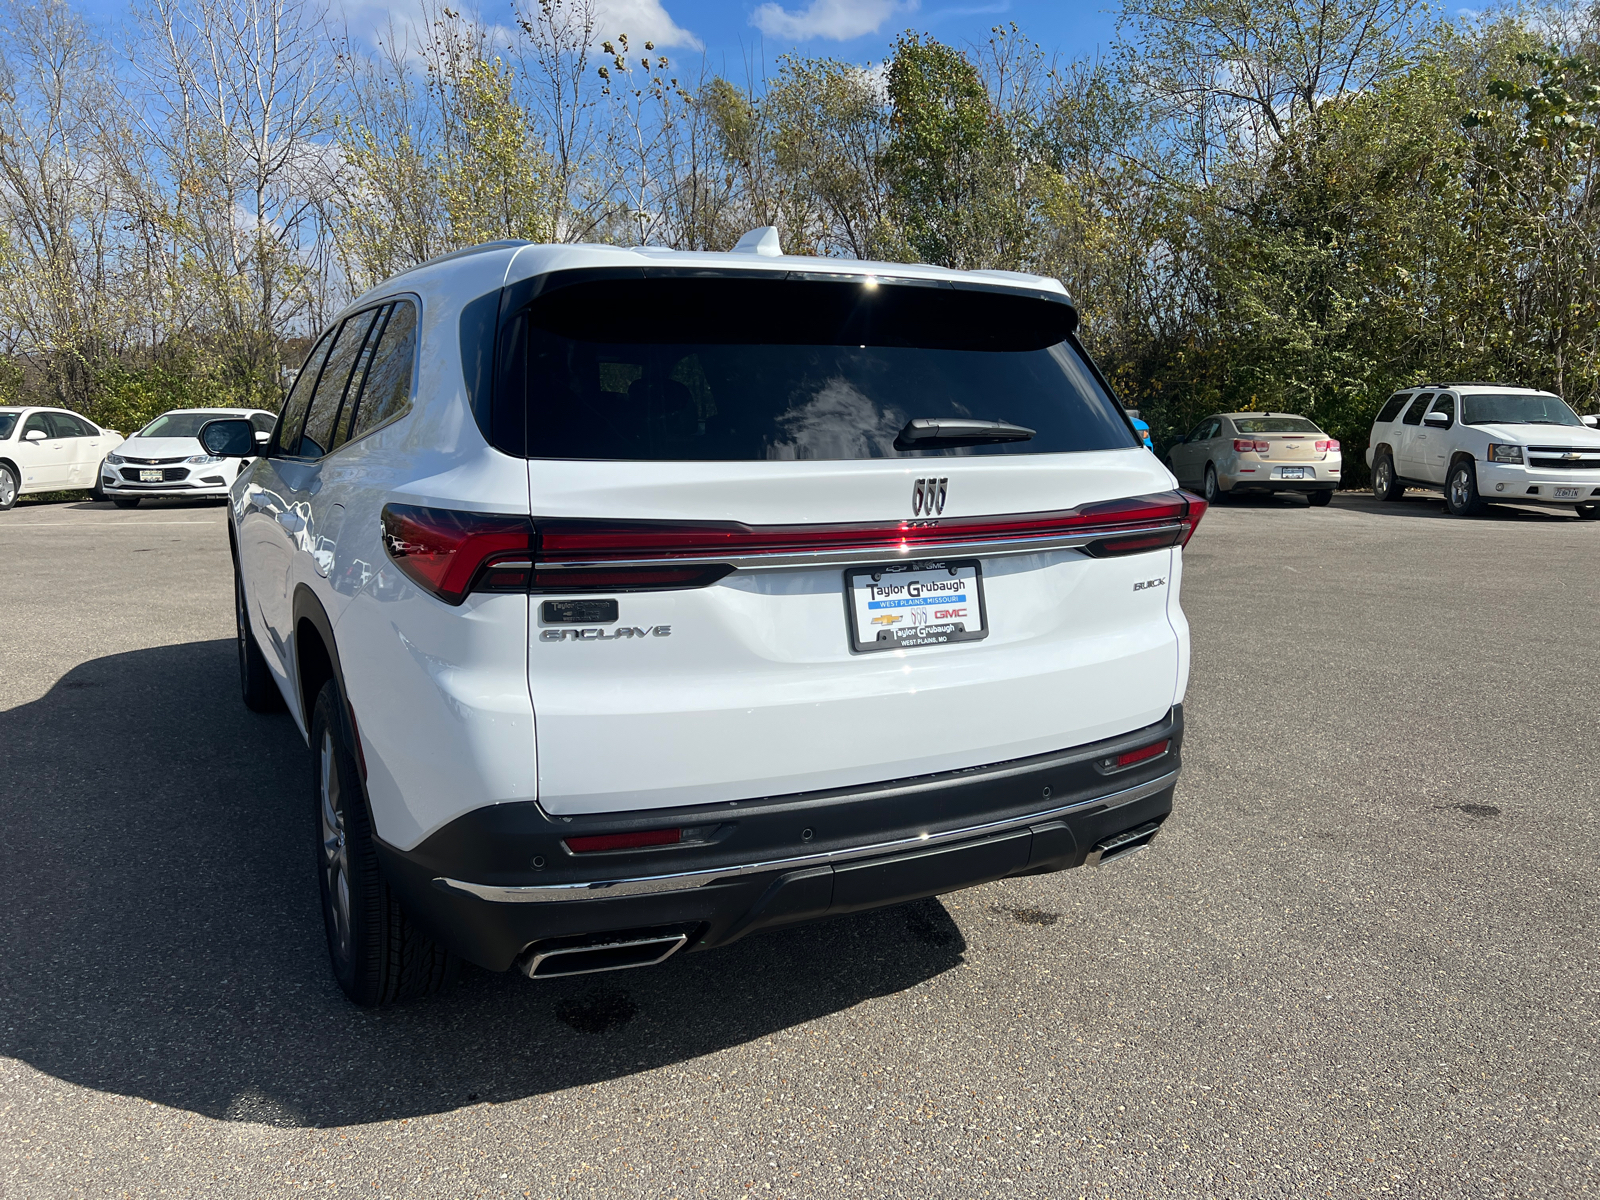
(928, 496)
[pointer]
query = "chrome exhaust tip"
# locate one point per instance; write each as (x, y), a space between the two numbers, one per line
(1123, 846)
(592, 953)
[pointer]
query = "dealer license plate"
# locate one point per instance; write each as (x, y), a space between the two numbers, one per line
(1293, 473)
(149, 476)
(1568, 493)
(930, 603)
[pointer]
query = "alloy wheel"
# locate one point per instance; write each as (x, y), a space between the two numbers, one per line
(1460, 488)
(8, 489)
(335, 851)
(1380, 478)
(1211, 486)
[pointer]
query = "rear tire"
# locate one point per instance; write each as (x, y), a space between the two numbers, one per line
(1211, 489)
(1321, 499)
(1386, 484)
(1461, 489)
(1589, 512)
(9, 489)
(256, 684)
(378, 955)
(125, 501)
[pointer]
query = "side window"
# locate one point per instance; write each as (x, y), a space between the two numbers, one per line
(40, 422)
(1418, 407)
(317, 440)
(358, 378)
(262, 422)
(65, 425)
(387, 393)
(1447, 406)
(1392, 407)
(1194, 434)
(293, 414)
(1211, 430)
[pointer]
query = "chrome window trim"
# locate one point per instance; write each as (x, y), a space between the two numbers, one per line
(646, 885)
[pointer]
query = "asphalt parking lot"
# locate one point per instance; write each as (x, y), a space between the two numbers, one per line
(1361, 959)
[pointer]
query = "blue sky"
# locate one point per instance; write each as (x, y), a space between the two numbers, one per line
(733, 32)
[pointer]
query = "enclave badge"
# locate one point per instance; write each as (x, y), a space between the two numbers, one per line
(600, 635)
(927, 496)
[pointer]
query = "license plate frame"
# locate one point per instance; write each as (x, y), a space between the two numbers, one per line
(1569, 493)
(935, 631)
(154, 476)
(1291, 472)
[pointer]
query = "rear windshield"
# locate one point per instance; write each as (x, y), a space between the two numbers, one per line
(8, 422)
(774, 369)
(179, 424)
(1274, 425)
(1486, 408)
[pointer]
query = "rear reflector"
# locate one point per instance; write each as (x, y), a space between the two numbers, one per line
(1131, 758)
(624, 841)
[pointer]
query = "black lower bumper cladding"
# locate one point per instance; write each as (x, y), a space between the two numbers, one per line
(497, 880)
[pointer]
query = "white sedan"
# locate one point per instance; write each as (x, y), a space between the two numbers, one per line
(49, 450)
(165, 458)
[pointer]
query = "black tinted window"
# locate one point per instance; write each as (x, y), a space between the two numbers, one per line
(317, 439)
(262, 422)
(388, 388)
(738, 370)
(39, 422)
(1418, 407)
(64, 425)
(1392, 406)
(299, 399)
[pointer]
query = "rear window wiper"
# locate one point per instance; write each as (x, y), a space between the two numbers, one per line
(931, 433)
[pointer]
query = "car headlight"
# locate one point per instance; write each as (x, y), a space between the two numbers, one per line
(1501, 453)
(116, 460)
(203, 460)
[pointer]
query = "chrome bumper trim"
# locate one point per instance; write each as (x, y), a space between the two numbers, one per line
(828, 558)
(610, 888)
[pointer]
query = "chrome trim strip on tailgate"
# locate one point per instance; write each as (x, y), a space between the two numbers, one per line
(824, 558)
(606, 889)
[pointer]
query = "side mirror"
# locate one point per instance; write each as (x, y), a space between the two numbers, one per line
(1436, 418)
(263, 436)
(228, 437)
(33, 435)
(1591, 421)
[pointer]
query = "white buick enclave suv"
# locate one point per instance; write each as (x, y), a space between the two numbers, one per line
(632, 601)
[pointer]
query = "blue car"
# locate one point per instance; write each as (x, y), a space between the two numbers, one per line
(1142, 427)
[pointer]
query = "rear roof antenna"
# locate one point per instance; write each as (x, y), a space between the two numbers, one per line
(763, 241)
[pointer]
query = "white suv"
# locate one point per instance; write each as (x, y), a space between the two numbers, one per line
(634, 600)
(1482, 442)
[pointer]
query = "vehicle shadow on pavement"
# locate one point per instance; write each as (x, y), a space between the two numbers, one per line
(162, 935)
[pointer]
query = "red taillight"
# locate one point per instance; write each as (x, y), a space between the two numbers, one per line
(1132, 758)
(1328, 446)
(624, 841)
(448, 552)
(1246, 445)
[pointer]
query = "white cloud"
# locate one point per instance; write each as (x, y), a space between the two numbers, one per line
(835, 20)
(643, 21)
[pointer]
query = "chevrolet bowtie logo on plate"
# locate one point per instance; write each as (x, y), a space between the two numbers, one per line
(928, 496)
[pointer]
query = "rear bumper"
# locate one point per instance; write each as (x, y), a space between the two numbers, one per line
(777, 861)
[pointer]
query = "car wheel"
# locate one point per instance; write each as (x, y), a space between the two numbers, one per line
(1589, 512)
(98, 492)
(1321, 499)
(8, 487)
(1461, 490)
(1385, 483)
(378, 955)
(125, 501)
(1212, 489)
(260, 692)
